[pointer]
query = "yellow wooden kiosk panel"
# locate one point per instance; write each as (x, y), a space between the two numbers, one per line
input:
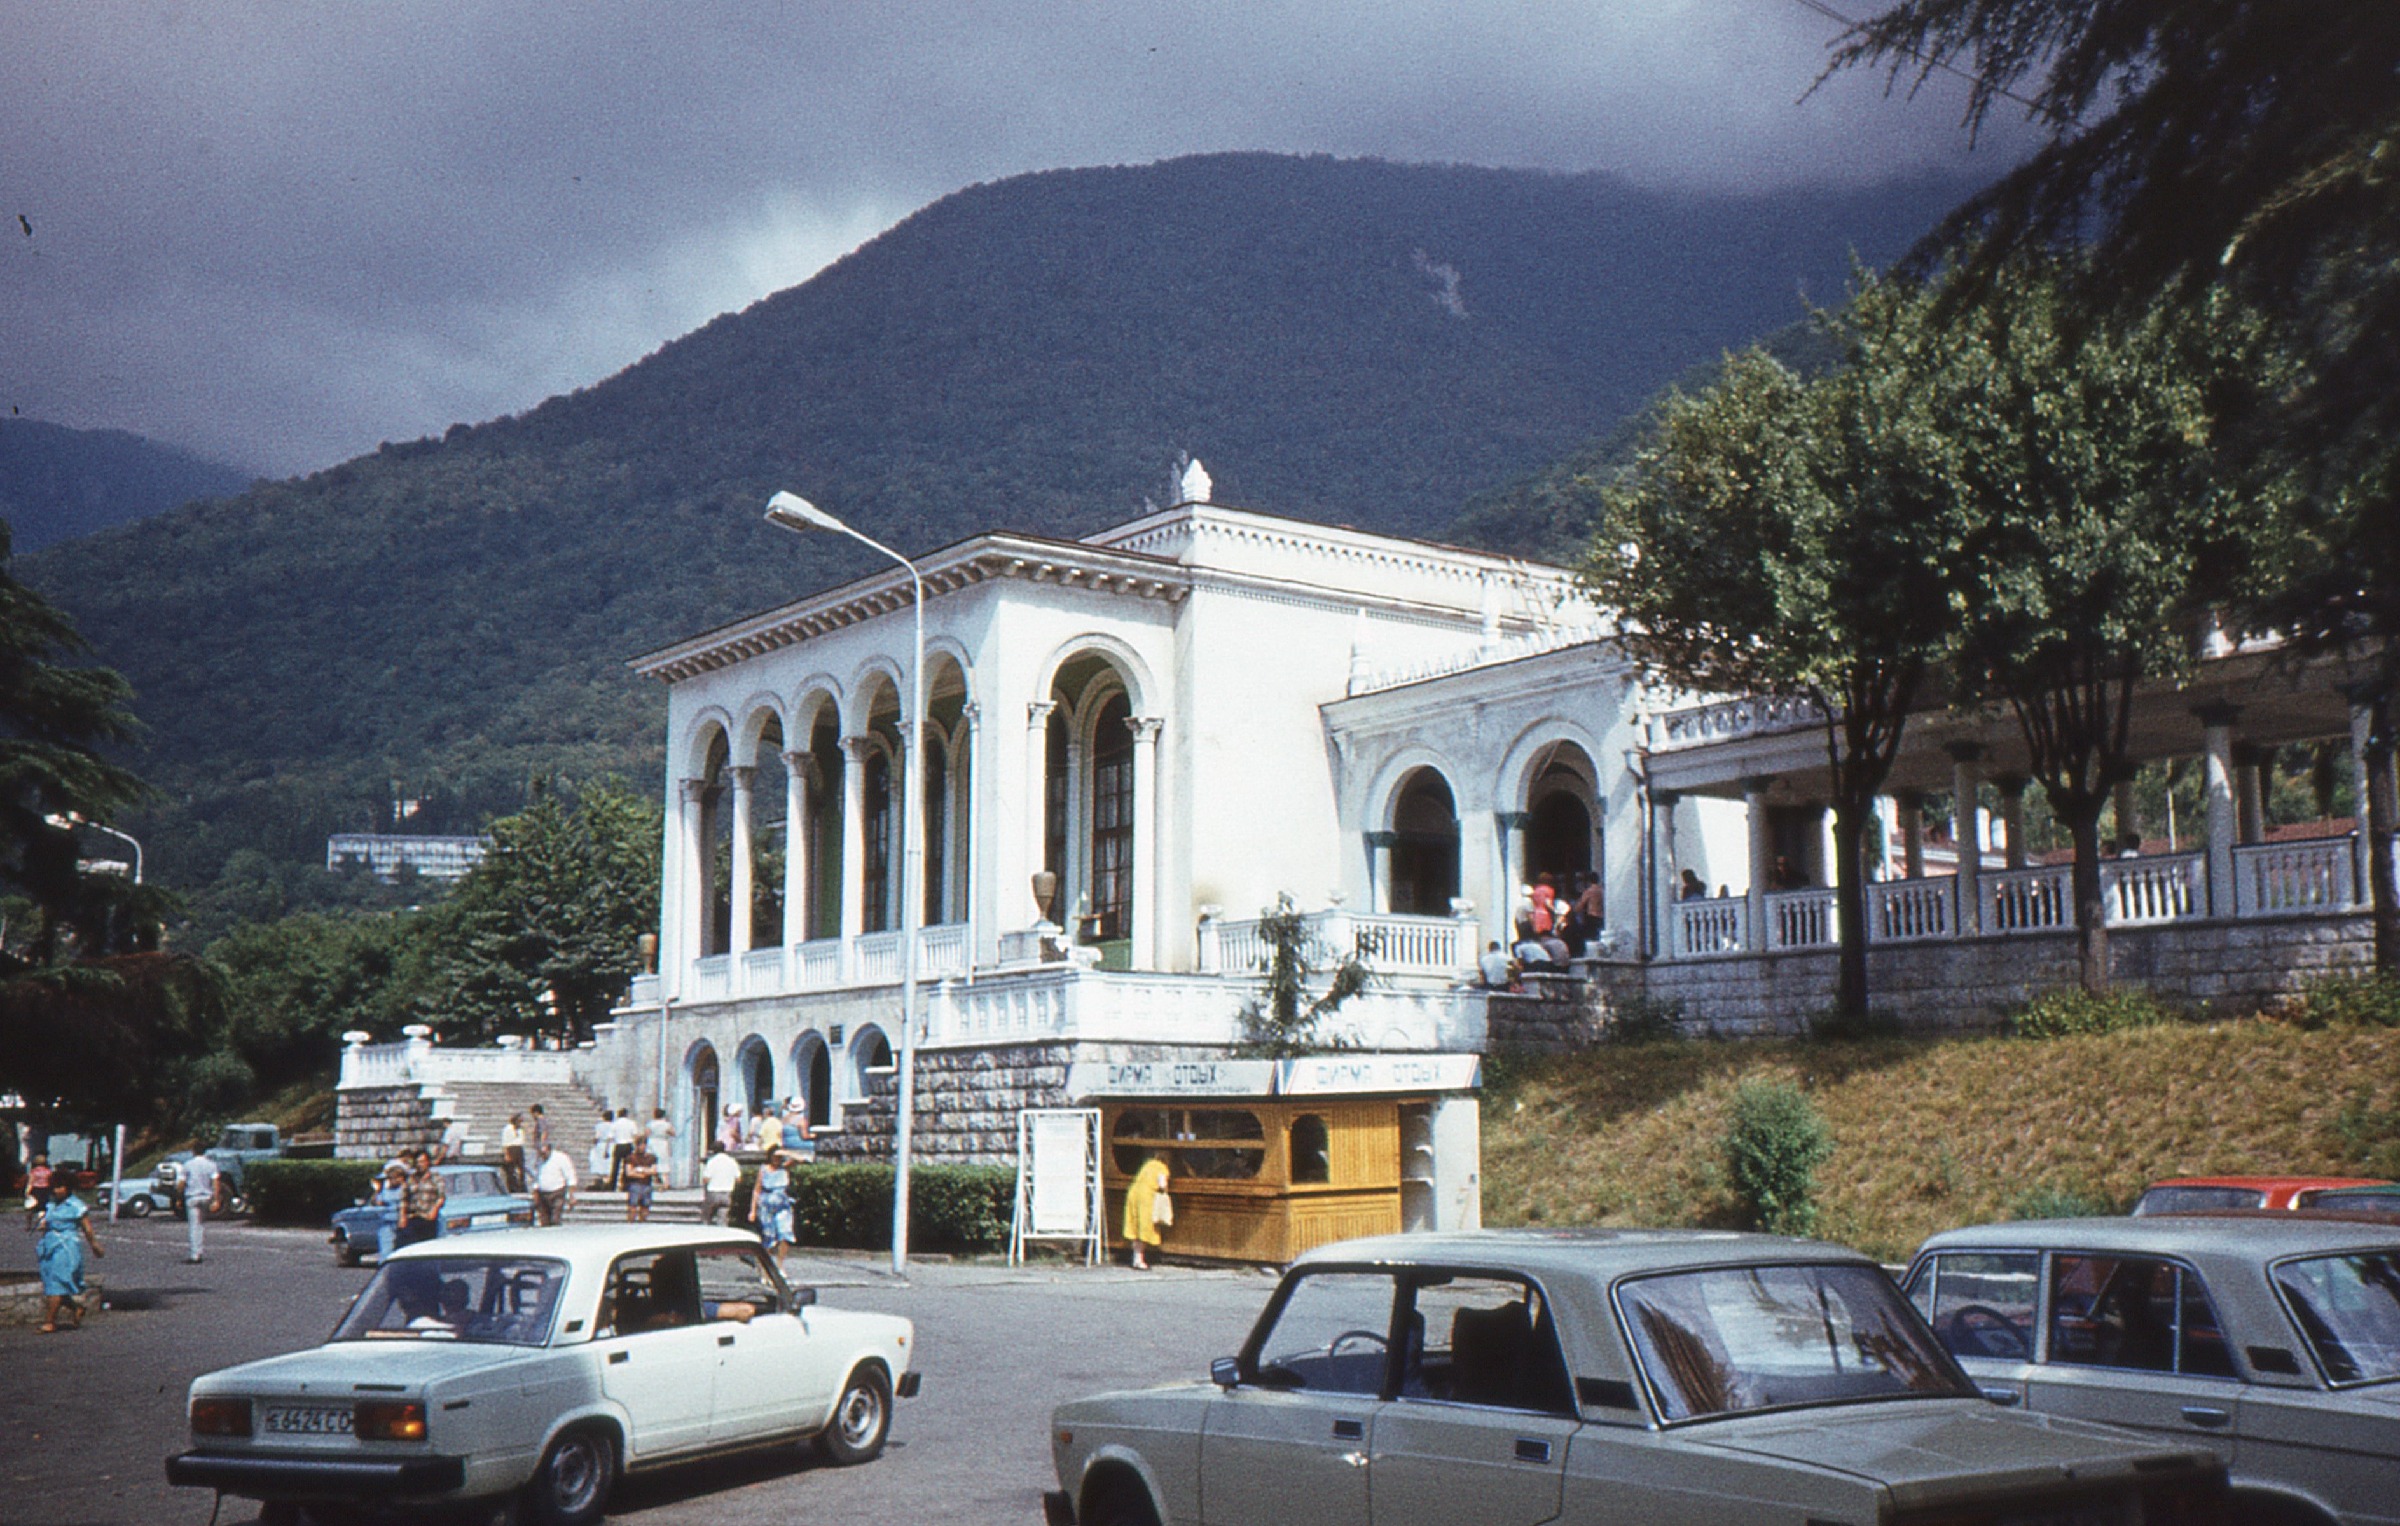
(1260, 1181)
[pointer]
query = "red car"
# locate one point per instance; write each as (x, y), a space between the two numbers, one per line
(2209, 1194)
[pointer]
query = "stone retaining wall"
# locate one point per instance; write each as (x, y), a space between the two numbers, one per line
(22, 1303)
(378, 1122)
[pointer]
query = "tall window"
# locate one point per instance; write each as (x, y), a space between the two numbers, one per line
(878, 889)
(1112, 818)
(1424, 853)
(937, 824)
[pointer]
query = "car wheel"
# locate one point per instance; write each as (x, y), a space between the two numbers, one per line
(571, 1487)
(137, 1206)
(861, 1417)
(1120, 1503)
(345, 1253)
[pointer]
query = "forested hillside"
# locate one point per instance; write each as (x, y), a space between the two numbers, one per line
(57, 483)
(1350, 340)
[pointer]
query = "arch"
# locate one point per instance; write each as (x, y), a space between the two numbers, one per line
(696, 1108)
(1561, 840)
(757, 712)
(874, 677)
(1141, 688)
(812, 1077)
(1421, 862)
(870, 1049)
(700, 738)
(754, 1074)
(817, 693)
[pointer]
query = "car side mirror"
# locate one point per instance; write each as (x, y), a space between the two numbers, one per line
(803, 1297)
(1225, 1372)
(2004, 1397)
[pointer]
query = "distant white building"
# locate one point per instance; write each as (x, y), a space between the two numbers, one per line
(382, 854)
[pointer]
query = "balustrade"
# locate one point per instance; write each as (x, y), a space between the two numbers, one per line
(1912, 911)
(1386, 942)
(1801, 919)
(2143, 892)
(2029, 900)
(1719, 926)
(762, 972)
(2282, 878)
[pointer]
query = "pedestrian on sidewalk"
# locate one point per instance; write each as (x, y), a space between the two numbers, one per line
(420, 1204)
(553, 1188)
(394, 1188)
(719, 1175)
(203, 1194)
(66, 1235)
(641, 1182)
(771, 1206)
(512, 1153)
(537, 1136)
(661, 1131)
(622, 1132)
(37, 1191)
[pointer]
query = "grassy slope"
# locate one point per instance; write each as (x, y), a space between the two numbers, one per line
(1928, 1133)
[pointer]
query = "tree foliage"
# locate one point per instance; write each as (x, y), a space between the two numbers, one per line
(1284, 1021)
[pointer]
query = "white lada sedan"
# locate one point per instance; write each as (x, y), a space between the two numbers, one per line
(543, 1363)
(1669, 1378)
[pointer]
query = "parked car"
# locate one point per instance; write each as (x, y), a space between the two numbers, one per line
(1674, 1378)
(475, 1199)
(2209, 1194)
(544, 1363)
(237, 1145)
(2271, 1337)
(137, 1202)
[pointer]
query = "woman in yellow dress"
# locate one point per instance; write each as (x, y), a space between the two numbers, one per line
(1149, 1184)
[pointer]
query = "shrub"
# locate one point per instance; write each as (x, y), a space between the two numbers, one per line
(2059, 1014)
(2360, 1000)
(2048, 1202)
(306, 1192)
(849, 1207)
(1774, 1144)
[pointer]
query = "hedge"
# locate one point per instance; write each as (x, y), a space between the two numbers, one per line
(849, 1207)
(306, 1192)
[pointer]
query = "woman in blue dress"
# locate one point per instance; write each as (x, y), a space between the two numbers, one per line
(66, 1232)
(771, 1206)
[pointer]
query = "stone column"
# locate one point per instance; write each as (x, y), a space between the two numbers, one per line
(959, 858)
(2362, 720)
(1910, 804)
(854, 844)
(799, 785)
(740, 932)
(1146, 889)
(1379, 864)
(1666, 887)
(1512, 866)
(698, 894)
(2249, 801)
(1037, 801)
(2224, 816)
(1966, 829)
(908, 823)
(1762, 858)
(2012, 816)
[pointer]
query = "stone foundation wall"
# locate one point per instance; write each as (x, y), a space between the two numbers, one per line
(378, 1122)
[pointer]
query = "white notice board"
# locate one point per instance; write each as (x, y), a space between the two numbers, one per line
(1058, 1180)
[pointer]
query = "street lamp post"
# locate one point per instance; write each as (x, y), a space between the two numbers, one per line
(793, 512)
(77, 819)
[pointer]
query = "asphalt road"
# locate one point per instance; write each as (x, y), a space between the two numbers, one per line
(87, 1418)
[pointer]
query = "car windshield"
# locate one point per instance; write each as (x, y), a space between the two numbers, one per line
(2355, 1200)
(493, 1300)
(2348, 1308)
(1772, 1337)
(2196, 1200)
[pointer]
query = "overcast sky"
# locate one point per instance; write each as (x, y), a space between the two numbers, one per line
(281, 231)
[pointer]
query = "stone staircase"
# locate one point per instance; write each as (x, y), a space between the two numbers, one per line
(486, 1106)
(672, 1205)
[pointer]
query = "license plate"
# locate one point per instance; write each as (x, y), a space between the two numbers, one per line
(308, 1420)
(487, 1220)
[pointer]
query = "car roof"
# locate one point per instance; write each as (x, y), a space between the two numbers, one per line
(2272, 1183)
(578, 1244)
(2250, 1236)
(1596, 1253)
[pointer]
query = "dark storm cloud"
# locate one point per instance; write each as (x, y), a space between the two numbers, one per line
(281, 231)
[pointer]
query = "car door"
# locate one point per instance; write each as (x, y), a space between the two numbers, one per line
(1479, 1428)
(2339, 1446)
(1290, 1441)
(658, 1360)
(2134, 1341)
(768, 1379)
(1986, 1308)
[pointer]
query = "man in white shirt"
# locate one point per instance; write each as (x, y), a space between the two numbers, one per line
(553, 1187)
(201, 1180)
(622, 1132)
(454, 1141)
(718, 1177)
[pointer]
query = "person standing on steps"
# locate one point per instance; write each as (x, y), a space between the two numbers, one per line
(661, 1130)
(622, 1132)
(512, 1153)
(537, 1136)
(203, 1194)
(641, 1182)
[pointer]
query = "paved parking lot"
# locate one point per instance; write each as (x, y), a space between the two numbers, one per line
(87, 1418)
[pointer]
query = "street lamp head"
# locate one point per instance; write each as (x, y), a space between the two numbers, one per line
(794, 512)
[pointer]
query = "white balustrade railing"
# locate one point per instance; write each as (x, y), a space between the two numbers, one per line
(1386, 942)
(1705, 926)
(943, 950)
(1800, 919)
(2280, 878)
(712, 979)
(875, 959)
(376, 1065)
(418, 1062)
(762, 972)
(817, 964)
(1911, 911)
(2029, 900)
(2144, 892)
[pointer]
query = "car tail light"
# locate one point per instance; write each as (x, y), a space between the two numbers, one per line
(388, 1420)
(220, 1417)
(455, 1226)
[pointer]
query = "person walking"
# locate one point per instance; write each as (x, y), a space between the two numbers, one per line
(388, 1196)
(641, 1182)
(453, 1145)
(719, 1175)
(1148, 1210)
(537, 1136)
(37, 1191)
(604, 1139)
(66, 1235)
(771, 1206)
(420, 1204)
(622, 1132)
(661, 1130)
(553, 1187)
(512, 1153)
(203, 1194)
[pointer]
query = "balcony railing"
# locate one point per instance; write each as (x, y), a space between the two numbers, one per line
(1388, 943)
(1704, 926)
(2279, 878)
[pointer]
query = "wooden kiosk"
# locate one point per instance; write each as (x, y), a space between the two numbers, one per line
(1261, 1166)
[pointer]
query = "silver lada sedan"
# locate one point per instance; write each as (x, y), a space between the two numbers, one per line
(1669, 1378)
(542, 1363)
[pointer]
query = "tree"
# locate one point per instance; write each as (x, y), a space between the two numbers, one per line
(297, 984)
(1790, 536)
(1282, 1023)
(2106, 527)
(545, 932)
(2248, 144)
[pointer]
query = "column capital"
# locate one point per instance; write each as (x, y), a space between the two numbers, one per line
(743, 776)
(1666, 799)
(1382, 839)
(2010, 784)
(1037, 712)
(2213, 715)
(1758, 784)
(855, 747)
(1144, 728)
(1966, 752)
(692, 791)
(968, 714)
(803, 767)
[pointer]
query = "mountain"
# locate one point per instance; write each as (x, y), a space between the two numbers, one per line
(57, 483)
(1354, 340)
